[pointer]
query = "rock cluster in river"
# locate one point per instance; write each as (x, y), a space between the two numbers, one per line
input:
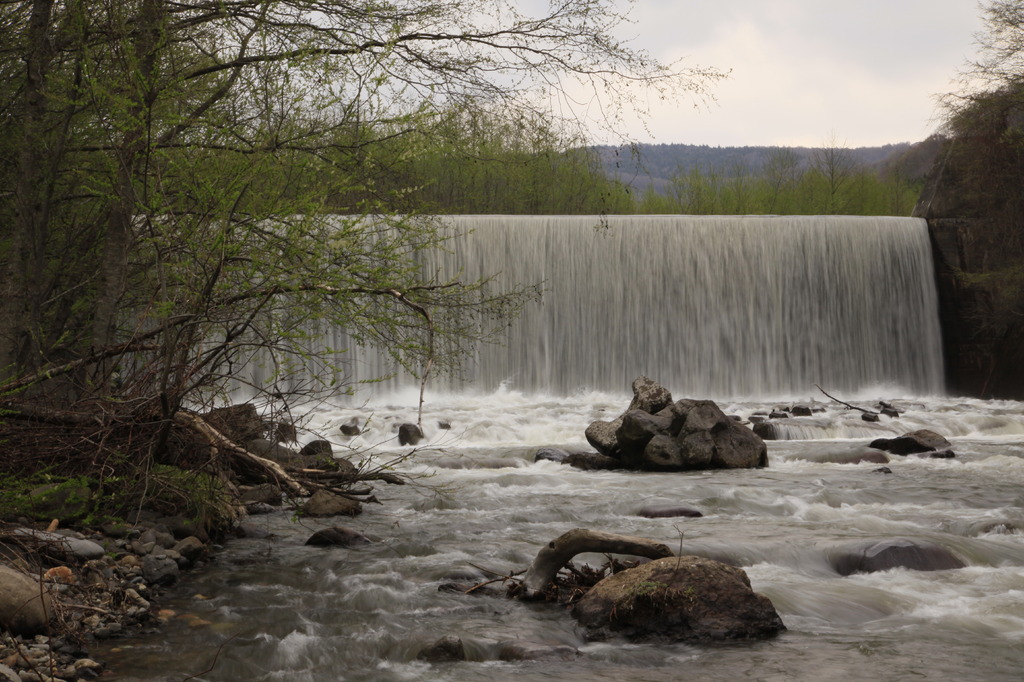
(656, 433)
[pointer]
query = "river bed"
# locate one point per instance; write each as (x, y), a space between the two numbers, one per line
(274, 609)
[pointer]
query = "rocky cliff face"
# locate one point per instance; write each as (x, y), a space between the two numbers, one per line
(982, 345)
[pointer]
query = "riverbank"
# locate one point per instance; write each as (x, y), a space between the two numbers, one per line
(94, 584)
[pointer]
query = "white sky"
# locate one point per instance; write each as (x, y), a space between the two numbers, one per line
(807, 72)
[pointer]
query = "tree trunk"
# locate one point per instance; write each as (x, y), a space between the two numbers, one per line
(20, 299)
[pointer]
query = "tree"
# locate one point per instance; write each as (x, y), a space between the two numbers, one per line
(979, 180)
(191, 185)
(835, 166)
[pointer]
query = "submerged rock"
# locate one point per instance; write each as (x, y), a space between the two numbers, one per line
(678, 599)
(524, 650)
(551, 454)
(668, 511)
(591, 461)
(444, 650)
(883, 555)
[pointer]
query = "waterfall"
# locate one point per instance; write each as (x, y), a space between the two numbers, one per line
(710, 306)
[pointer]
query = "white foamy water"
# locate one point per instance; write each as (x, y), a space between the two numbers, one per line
(481, 507)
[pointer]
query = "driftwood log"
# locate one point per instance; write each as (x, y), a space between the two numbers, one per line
(562, 549)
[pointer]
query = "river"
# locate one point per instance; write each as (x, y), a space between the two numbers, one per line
(274, 609)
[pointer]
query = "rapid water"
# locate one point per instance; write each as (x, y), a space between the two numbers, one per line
(752, 312)
(722, 306)
(272, 609)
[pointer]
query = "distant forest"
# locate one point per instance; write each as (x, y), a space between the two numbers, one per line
(655, 165)
(700, 179)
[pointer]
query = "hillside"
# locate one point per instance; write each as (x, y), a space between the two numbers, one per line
(646, 165)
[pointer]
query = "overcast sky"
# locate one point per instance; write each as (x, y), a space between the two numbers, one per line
(804, 72)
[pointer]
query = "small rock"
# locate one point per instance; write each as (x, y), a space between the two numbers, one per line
(869, 417)
(778, 414)
(801, 411)
(444, 425)
(351, 427)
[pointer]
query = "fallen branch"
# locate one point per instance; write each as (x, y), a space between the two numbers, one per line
(562, 549)
(270, 470)
(852, 407)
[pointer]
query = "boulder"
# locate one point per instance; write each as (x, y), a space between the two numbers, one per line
(883, 555)
(337, 536)
(323, 503)
(911, 443)
(409, 434)
(677, 599)
(649, 396)
(317, 448)
(801, 411)
(601, 435)
(239, 423)
(25, 609)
